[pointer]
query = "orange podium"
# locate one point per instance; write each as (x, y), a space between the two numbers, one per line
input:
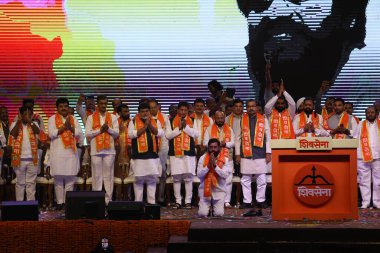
(315, 179)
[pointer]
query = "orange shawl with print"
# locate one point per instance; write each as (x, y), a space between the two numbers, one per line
(67, 136)
(246, 134)
(281, 125)
(303, 119)
(365, 141)
(103, 140)
(17, 146)
(142, 140)
(182, 141)
(211, 178)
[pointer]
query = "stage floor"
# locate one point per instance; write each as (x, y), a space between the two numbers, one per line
(367, 217)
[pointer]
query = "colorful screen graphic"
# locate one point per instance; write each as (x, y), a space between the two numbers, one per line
(170, 49)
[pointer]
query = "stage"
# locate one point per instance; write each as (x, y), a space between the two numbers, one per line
(182, 231)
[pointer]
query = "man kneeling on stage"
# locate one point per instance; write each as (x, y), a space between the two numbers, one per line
(213, 170)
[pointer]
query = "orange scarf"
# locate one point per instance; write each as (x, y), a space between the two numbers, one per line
(356, 118)
(103, 140)
(303, 119)
(246, 134)
(182, 141)
(227, 135)
(67, 136)
(142, 140)
(231, 120)
(161, 119)
(281, 127)
(343, 121)
(364, 140)
(205, 124)
(123, 138)
(211, 178)
(17, 146)
(325, 117)
(88, 113)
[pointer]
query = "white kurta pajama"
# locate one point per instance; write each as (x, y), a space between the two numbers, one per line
(369, 170)
(183, 167)
(229, 145)
(218, 193)
(102, 161)
(144, 170)
(253, 166)
(26, 173)
(64, 162)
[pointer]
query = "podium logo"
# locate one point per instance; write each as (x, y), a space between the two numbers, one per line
(314, 185)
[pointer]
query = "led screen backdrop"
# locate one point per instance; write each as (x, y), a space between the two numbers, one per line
(170, 49)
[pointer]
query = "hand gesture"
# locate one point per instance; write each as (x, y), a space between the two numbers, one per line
(237, 159)
(183, 124)
(325, 86)
(121, 127)
(104, 128)
(281, 89)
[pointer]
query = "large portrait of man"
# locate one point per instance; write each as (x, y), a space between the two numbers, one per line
(308, 41)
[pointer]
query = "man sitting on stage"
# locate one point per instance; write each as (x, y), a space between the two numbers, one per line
(181, 135)
(213, 169)
(308, 123)
(341, 123)
(368, 133)
(144, 130)
(63, 128)
(24, 142)
(102, 128)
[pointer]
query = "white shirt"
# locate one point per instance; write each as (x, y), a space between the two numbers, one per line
(26, 152)
(236, 124)
(374, 142)
(271, 103)
(319, 132)
(91, 134)
(198, 125)
(164, 141)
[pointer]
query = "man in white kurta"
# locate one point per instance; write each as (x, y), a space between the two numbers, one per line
(252, 150)
(181, 135)
(201, 123)
(102, 128)
(222, 132)
(144, 132)
(24, 142)
(308, 123)
(342, 124)
(163, 148)
(368, 134)
(214, 167)
(63, 130)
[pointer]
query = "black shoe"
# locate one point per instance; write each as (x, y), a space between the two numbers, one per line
(176, 206)
(262, 205)
(187, 206)
(245, 205)
(253, 213)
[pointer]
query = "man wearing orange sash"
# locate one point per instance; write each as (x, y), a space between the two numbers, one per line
(308, 123)
(24, 142)
(63, 130)
(102, 128)
(222, 132)
(181, 135)
(144, 132)
(163, 147)
(253, 152)
(213, 169)
(342, 124)
(201, 123)
(368, 134)
(349, 108)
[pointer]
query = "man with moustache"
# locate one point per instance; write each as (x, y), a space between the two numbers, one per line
(24, 142)
(342, 124)
(201, 123)
(308, 42)
(163, 146)
(181, 135)
(281, 110)
(213, 169)
(253, 152)
(63, 130)
(144, 132)
(368, 134)
(89, 109)
(349, 108)
(102, 128)
(221, 131)
(308, 123)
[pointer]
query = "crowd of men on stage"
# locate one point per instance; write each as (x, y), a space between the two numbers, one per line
(208, 140)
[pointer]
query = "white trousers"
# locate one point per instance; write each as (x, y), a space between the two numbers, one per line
(63, 184)
(188, 179)
(261, 182)
(102, 168)
(26, 175)
(227, 199)
(205, 204)
(367, 171)
(138, 187)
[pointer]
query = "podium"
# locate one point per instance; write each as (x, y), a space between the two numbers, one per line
(315, 179)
